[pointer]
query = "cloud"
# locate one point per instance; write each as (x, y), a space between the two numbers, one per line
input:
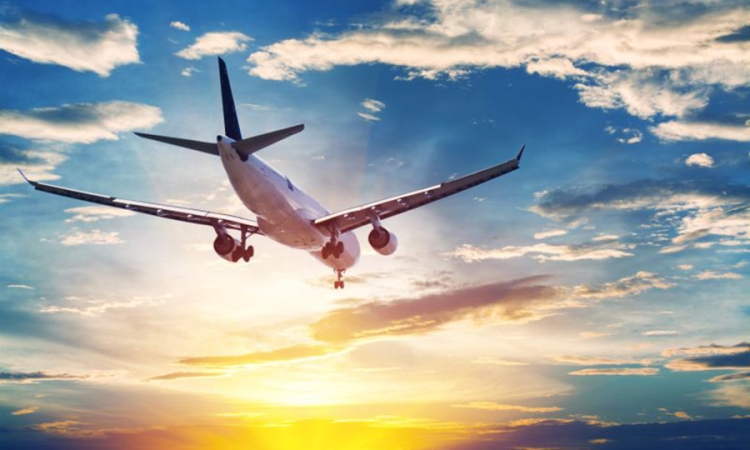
(25, 411)
(624, 287)
(549, 234)
(36, 164)
(682, 415)
(732, 394)
(93, 237)
(597, 360)
(730, 377)
(189, 71)
(80, 122)
(179, 25)
(696, 209)
(368, 117)
(94, 306)
(20, 286)
(699, 131)
(543, 252)
(713, 357)
(498, 362)
(89, 214)
(699, 159)
(660, 333)
(512, 301)
(711, 275)
(648, 60)
(31, 377)
(492, 406)
(185, 375)
(373, 105)
(638, 371)
(215, 43)
(283, 354)
(626, 135)
(97, 47)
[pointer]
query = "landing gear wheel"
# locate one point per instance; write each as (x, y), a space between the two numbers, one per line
(326, 250)
(338, 250)
(248, 253)
(236, 254)
(339, 283)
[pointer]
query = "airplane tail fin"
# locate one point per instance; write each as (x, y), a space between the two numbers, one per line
(231, 124)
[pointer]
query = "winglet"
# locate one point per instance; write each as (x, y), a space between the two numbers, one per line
(24, 177)
(520, 154)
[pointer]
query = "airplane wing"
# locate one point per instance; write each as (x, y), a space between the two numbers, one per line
(168, 212)
(353, 218)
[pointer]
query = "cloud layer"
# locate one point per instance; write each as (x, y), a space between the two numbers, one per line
(215, 43)
(97, 47)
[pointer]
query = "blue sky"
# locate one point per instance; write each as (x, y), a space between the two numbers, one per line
(597, 298)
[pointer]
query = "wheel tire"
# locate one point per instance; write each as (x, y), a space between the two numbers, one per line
(341, 283)
(248, 253)
(326, 251)
(335, 284)
(236, 254)
(339, 249)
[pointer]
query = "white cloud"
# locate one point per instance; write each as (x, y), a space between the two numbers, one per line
(95, 306)
(624, 287)
(648, 61)
(711, 275)
(79, 122)
(493, 406)
(660, 333)
(597, 360)
(82, 46)
(542, 252)
(88, 214)
(93, 237)
(215, 43)
(698, 131)
(685, 267)
(639, 371)
(179, 25)
(373, 105)
(699, 159)
(20, 286)
(25, 411)
(35, 164)
(368, 117)
(549, 234)
(189, 71)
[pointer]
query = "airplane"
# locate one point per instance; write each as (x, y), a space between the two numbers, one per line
(284, 212)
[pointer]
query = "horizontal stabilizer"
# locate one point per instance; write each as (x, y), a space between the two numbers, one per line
(251, 145)
(205, 147)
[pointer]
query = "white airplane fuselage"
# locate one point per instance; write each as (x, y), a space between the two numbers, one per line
(285, 213)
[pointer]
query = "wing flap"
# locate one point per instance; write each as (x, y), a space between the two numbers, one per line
(353, 218)
(190, 215)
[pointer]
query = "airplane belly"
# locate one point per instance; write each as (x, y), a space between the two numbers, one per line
(348, 259)
(296, 231)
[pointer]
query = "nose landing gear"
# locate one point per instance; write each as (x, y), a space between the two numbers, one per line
(339, 283)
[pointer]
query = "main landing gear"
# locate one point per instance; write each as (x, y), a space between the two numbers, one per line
(333, 248)
(339, 283)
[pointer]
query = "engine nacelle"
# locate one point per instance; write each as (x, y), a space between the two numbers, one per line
(224, 246)
(383, 241)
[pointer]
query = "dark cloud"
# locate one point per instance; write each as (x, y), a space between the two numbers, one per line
(710, 357)
(514, 300)
(725, 434)
(570, 204)
(739, 35)
(731, 377)
(26, 377)
(282, 354)
(733, 361)
(183, 375)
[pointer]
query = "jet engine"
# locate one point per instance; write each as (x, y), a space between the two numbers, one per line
(224, 246)
(383, 241)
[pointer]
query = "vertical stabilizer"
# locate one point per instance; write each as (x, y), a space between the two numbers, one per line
(231, 124)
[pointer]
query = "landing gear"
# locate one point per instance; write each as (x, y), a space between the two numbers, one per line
(333, 248)
(339, 283)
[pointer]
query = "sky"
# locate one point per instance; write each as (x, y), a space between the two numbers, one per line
(597, 298)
